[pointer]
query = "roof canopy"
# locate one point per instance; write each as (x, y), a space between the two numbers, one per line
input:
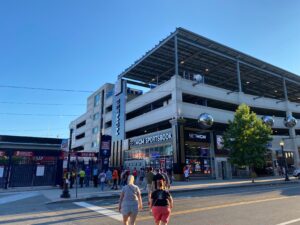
(218, 64)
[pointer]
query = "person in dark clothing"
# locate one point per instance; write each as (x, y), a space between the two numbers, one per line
(95, 176)
(158, 176)
(161, 204)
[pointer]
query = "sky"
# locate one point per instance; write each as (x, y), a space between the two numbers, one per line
(80, 45)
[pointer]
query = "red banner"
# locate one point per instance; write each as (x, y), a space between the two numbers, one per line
(44, 158)
(86, 154)
(79, 154)
(23, 154)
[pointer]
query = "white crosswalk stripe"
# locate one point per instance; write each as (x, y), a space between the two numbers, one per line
(110, 213)
(17, 197)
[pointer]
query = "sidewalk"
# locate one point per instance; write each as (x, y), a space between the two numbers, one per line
(92, 193)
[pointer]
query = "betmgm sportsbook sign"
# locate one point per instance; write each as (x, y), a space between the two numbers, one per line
(155, 138)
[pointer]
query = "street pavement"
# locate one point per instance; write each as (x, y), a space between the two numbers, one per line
(276, 204)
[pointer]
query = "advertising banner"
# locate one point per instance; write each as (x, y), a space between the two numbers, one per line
(105, 148)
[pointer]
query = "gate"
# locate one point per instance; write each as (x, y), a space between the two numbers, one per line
(34, 173)
(21, 175)
(3, 172)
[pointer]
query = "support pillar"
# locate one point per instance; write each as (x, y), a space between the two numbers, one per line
(178, 147)
(292, 132)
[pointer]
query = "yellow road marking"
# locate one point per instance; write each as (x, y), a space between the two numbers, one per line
(218, 207)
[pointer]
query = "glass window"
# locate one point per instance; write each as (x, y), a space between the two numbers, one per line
(97, 99)
(95, 130)
(96, 116)
(94, 144)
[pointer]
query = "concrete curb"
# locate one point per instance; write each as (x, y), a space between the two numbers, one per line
(180, 190)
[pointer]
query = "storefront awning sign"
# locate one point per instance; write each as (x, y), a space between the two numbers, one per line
(151, 139)
(23, 154)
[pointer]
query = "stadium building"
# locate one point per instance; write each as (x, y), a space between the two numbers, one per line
(187, 76)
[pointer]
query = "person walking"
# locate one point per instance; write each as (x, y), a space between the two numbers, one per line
(130, 201)
(161, 204)
(102, 178)
(167, 179)
(115, 177)
(187, 173)
(109, 177)
(135, 174)
(87, 176)
(158, 176)
(149, 180)
(81, 177)
(72, 178)
(95, 176)
(141, 176)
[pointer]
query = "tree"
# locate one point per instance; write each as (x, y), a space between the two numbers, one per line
(246, 138)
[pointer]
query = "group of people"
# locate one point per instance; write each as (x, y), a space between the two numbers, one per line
(159, 199)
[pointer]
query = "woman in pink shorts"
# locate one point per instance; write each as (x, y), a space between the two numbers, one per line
(161, 203)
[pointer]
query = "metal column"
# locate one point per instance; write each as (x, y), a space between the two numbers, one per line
(176, 55)
(239, 75)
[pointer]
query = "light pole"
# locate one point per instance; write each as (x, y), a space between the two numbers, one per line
(284, 159)
(66, 193)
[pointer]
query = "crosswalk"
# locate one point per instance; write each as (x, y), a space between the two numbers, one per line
(17, 197)
(101, 210)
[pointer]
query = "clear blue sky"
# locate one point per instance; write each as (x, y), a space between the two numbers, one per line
(83, 44)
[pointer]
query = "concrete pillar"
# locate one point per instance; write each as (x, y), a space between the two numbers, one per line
(178, 146)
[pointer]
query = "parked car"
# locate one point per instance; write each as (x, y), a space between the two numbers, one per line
(296, 173)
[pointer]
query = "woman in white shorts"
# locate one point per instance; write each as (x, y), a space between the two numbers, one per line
(130, 201)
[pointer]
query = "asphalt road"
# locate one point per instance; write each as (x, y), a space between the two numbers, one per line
(266, 205)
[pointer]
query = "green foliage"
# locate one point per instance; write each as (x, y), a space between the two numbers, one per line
(247, 137)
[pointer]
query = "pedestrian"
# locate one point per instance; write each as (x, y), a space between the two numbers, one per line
(141, 176)
(109, 177)
(149, 181)
(115, 178)
(95, 176)
(135, 174)
(187, 173)
(81, 177)
(102, 178)
(87, 176)
(72, 178)
(158, 176)
(130, 201)
(167, 179)
(125, 177)
(161, 204)
(122, 177)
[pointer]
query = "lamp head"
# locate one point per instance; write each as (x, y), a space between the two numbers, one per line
(281, 143)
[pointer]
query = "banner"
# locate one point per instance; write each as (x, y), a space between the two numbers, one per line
(105, 148)
(23, 154)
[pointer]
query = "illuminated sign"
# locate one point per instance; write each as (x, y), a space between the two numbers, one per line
(118, 119)
(153, 138)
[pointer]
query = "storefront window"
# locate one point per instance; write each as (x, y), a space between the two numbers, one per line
(157, 157)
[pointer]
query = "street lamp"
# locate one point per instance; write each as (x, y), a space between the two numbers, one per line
(65, 192)
(285, 164)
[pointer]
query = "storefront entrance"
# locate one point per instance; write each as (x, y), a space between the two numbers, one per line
(198, 153)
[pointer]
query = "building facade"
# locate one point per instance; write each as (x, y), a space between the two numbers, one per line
(96, 121)
(187, 75)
